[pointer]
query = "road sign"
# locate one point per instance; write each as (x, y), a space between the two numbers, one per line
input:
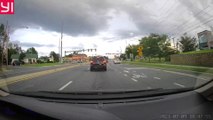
(140, 53)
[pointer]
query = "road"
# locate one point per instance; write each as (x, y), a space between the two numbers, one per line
(117, 77)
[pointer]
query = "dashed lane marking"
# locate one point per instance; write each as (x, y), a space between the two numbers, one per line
(134, 80)
(180, 85)
(126, 71)
(156, 78)
(64, 86)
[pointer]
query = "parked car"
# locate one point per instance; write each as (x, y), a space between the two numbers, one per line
(98, 63)
(16, 63)
(116, 61)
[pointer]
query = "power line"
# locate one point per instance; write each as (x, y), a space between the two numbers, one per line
(164, 4)
(191, 26)
(210, 20)
(158, 21)
(168, 11)
(203, 12)
(191, 19)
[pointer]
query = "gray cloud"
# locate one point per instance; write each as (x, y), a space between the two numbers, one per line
(78, 47)
(201, 11)
(82, 17)
(88, 17)
(27, 44)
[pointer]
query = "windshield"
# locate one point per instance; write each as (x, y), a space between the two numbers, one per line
(77, 46)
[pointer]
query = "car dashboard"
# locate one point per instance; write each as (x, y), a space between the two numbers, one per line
(185, 105)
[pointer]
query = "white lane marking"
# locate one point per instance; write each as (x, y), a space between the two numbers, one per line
(139, 76)
(126, 71)
(134, 80)
(180, 85)
(136, 76)
(125, 75)
(156, 78)
(184, 74)
(149, 87)
(143, 75)
(65, 86)
(138, 68)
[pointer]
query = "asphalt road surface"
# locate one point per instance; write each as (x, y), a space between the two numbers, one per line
(117, 77)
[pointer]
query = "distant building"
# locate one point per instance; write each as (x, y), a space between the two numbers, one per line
(205, 39)
(30, 58)
(51, 58)
(79, 57)
(14, 57)
(44, 59)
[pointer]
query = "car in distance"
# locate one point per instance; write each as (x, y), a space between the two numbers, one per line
(98, 63)
(116, 61)
(16, 63)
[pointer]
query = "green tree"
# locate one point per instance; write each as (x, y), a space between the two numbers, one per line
(150, 46)
(3, 40)
(188, 43)
(31, 50)
(131, 49)
(44, 59)
(55, 56)
(156, 45)
(123, 56)
(165, 49)
(22, 55)
(128, 51)
(11, 51)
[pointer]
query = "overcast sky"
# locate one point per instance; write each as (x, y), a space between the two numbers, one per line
(108, 25)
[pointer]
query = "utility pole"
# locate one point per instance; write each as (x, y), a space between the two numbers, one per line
(173, 41)
(7, 40)
(59, 49)
(61, 40)
(2, 51)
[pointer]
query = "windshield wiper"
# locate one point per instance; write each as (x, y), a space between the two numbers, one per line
(101, 95)
(101, 92)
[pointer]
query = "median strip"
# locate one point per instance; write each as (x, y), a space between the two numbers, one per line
(11, 80)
